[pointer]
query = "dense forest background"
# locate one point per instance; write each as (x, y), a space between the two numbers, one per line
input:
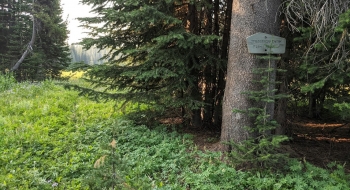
(176, 57)
(91, 56)
(50, 53)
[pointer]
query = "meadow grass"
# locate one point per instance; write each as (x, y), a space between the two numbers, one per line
(43, 127)
(72, 75)
(52, 138)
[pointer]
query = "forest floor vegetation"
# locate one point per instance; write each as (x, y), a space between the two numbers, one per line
(317, 141)
(52, 138)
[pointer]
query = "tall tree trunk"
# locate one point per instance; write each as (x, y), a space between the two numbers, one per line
(209, 71)
(281, 113)
(222, 71)
(281, 109)
(248, 17)
(312, 105)
(193, 27)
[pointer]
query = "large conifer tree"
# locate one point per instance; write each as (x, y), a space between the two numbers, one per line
(16, 29)
(49, 54)
(319, 60)
(247, 18)
(165, 53)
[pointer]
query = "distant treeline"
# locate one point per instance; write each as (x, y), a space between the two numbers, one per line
(91, 56)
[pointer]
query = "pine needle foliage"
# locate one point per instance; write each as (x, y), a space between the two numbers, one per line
(108, 169)
(260, 150)
(156, 54)
(49, 54)
(319, 52)
(15, 31)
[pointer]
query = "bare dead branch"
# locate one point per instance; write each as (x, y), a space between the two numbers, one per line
(29, 46)
(322, 16)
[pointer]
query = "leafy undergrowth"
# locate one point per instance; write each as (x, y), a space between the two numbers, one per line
(54, 139)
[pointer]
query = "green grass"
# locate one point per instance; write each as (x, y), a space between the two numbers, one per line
(54, 139)
(44, 130)
(6, 81)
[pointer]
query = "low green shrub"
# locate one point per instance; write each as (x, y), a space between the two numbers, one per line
(335, 110)
(54, 139)
(45, 136)
(6, 81)
(156, 159)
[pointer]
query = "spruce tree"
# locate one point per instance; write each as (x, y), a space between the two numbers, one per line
(319, 56)
(52, 36)
(163, 53)
(49, 54)
(5, 17)
(16, 31)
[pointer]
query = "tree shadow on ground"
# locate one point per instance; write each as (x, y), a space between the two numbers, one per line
(319, 143)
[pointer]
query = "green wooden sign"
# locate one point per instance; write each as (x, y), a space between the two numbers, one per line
(261, 43)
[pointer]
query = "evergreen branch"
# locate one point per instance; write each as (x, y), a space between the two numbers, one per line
(29, 46)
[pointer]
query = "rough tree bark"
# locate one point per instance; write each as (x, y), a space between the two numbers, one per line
(248, 17)
(281, 112)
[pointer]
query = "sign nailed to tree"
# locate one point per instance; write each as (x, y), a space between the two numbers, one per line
(261, 43)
